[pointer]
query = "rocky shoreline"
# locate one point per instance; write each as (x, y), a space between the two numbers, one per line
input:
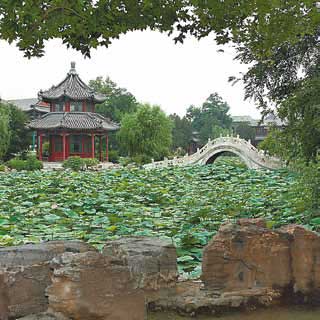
(246, 265)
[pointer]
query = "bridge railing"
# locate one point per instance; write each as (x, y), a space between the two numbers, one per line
(258, 155)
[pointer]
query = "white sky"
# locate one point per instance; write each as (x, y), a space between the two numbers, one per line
(148, 64)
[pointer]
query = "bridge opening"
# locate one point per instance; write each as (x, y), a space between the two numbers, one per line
(224, 156)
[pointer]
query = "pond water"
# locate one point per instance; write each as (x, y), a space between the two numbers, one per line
(292, 313)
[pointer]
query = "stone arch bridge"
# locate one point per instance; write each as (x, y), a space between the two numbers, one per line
(251, 156)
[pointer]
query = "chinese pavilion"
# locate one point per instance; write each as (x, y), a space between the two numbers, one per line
(71, 126)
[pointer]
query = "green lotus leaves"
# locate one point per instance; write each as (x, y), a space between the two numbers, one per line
(186, 204)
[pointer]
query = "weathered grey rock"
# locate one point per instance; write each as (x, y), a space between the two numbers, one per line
(44, 316)
(4, 303)
(190, 297)
(152, 261)
(25, 274)
(246, 256)
(90, 286)
(305, 259)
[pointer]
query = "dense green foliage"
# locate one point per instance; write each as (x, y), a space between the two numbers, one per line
(302, 111)
(245, 131)
(20, 135)
(4, 130)
(211, 119)
(76, 163)
(119, 101)
(14, 136)
(147, 132)
(181, 132)
(276, 144)
(258, 24)
(31, 163)
(187, 204)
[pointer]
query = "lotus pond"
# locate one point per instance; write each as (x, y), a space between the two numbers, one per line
(185, 204)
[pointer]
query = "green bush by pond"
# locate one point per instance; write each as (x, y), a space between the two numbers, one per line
(31, 163)
(187, 204)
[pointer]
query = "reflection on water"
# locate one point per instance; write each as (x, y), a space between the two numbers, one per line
(292, 313)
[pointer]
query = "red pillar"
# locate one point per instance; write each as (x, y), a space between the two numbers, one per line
(107, 148)
(100, 149)
(92, 145)
(37, 144)
(40, 149)
(63, 146)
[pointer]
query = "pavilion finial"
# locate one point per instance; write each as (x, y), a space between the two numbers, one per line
(73, 68)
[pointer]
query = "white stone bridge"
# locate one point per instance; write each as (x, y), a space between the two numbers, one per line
(251, 156)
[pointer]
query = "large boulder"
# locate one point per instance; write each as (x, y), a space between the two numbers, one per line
(305, 259)
(90, 286)
(246, 255)
(152, 262)
(25, 274)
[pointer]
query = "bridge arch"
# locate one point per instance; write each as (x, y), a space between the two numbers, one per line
(218, 154)
(253, 158)
(219, 150)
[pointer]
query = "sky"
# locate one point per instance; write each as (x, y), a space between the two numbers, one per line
(148, 64)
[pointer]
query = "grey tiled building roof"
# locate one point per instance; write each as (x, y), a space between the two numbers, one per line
(24, 104)
(73, 121)
(71, 87)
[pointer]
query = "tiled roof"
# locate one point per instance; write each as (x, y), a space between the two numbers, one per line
(39, 108)
(73, 121)
(246, 119)
(270, 119)
(30, 104)
(73, 88)
(24, 104)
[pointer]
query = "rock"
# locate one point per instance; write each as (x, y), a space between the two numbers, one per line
(4, 303)
(25, 274)
(305, 259)
(44, 316)
(246, 256)
(152, 261)
(90, 286)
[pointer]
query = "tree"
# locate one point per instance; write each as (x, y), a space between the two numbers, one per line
(20, 135)
(258, 24)
(181, 132)
(211, 119)
(4, 129)
(302, 112)
(147, 132)
(119, 100)
(14, 136)
(245, 131)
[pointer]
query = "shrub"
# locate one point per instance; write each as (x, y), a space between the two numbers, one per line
(124, 161)
(2, 168)
(30, 164)
(17, 164)
(113, 156)
(89, 162)
(141, 159)
(74, 163)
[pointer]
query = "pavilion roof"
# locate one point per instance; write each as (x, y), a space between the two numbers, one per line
(71, 87)
(73, 121)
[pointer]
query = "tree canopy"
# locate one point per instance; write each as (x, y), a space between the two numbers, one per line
(181, 132)
(14, 136)
(258, 24)
(147, 132)
(4, 130)
(211, 119)
(119, 100)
